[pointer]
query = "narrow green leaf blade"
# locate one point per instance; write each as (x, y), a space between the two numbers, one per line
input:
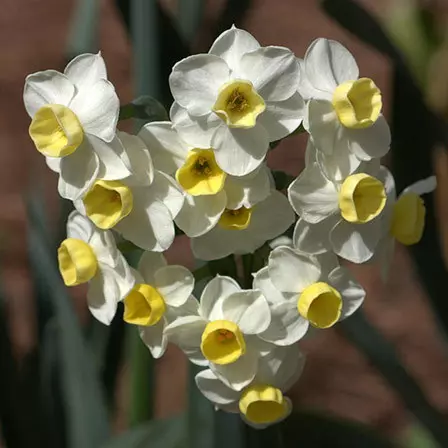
(384, 357)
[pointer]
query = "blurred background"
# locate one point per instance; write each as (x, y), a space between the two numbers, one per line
(387, 370)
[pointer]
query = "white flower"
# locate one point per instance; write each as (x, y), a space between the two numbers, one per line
(404, 220)
(236, 99)
(341, 216)
(243, 230)
(161, 293)
(89, 255)
(261, 403)
(73, 115)
(343, 113)
(223, 332)
(141, 207)
(208, 190)
(303, 289)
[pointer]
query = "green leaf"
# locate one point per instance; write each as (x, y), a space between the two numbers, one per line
(165, 433)
(200, 416)
(144, 108)
(87, 418)
(190, 14)
(84, 30)
(383, 356)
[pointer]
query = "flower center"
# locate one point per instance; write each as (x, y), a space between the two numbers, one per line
(320, 304)
(143, 305)
(263, 404)
(77, 262)
(357, 103)
(239, 104)
(408, 219)
(200, 174)
(108, 202)
(222, 342)
(56, 131)
(238, 219)
(361, 198)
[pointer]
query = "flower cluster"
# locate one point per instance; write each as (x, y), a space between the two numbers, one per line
(205, 172)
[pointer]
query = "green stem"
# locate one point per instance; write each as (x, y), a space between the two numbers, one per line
(141, 381)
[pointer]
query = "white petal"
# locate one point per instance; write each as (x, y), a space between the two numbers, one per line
(313, 238)
(136, 154)
(175, 284)
(352, 292)
(103, 295)
(240, 151)
(196, 80)
(372, 142)
(328, 64)
(248, 309)
(232, 44)
(78, 172)
(248, 190)
(262, 281)
(423, 186)
(321, 122)
(292, 271)
(154, 338)
(105, 248)
(327, 261)
(150, 224)
(312, 195)
(196, 131)
(217, 243)
(274, 72)
(287, 326)
(262, 227)
(186, 332)
(48, 87)
(306, 89)
(54, 163)
(355, 243)
(281, 367)
(167, 150)
(283, 117)
(114, 163)
(214, 292)
(240, 373)
(199, 214)
(189, 308)
(165, 189)
(97, 107)
(149, 263)
(79, 227)
(86, 69)
(341, 163)
(215, 390)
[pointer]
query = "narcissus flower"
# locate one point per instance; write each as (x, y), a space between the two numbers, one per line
(343, 112)
(141, 207)
(161, 293)
(224, 331)
(73, 115)
(236, 99)
(208, 189)
(89, 255)
(404, 220)
(305, 290)
(243, 230)
(262, 402)
(340, 216)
